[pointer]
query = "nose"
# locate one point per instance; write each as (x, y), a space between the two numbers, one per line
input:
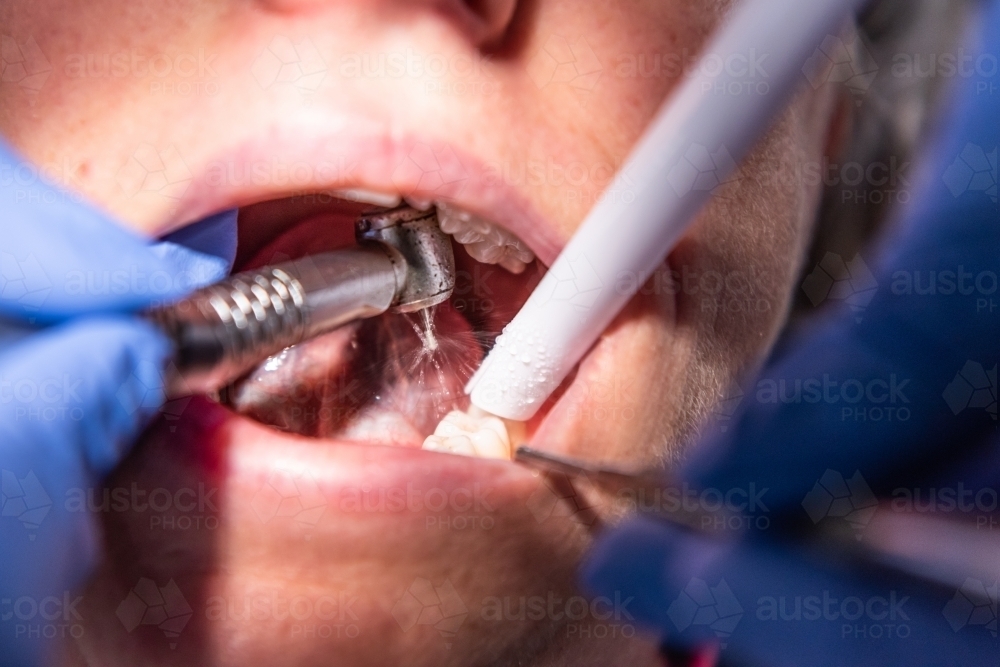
(483, 22)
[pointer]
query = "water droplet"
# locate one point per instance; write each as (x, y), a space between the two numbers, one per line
(430, 341)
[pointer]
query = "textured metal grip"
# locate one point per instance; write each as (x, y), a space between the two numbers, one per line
(222, 331)
(403, 261)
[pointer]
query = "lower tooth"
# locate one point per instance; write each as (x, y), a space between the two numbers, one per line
(462, 433)
(513, 264)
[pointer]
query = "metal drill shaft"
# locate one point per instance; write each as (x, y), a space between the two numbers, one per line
(403, 262)
(426, 250)
(222, 331)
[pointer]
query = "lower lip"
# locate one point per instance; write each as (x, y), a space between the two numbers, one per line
(243, 456)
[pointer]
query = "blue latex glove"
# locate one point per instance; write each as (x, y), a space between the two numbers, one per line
(765, 597)
(79, 379)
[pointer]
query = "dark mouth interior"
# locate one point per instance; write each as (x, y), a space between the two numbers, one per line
(372, 381)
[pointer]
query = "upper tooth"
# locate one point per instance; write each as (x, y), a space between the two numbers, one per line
(486, 242)
(418, 203)
(462, 433)
(382, 199)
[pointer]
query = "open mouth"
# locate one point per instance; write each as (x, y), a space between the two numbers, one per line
(392, 379)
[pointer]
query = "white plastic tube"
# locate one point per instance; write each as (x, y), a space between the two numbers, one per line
(694, 143)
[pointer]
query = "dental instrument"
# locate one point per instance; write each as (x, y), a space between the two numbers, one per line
(693, 144)
(403, 262)
(913, 545)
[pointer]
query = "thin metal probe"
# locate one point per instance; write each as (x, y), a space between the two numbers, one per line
(940, 552)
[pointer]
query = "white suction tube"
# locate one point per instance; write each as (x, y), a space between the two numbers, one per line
(697, 135)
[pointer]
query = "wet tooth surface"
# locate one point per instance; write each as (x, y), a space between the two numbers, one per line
(418, 203)
(369, 197)
(484, 241)
(462, 433)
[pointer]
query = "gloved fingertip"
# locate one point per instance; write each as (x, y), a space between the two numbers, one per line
(200, 253)
(215, 235)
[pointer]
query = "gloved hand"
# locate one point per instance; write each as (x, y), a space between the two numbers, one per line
(79, 379)
(764, 597)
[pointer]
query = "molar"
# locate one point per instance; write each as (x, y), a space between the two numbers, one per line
(470, 435)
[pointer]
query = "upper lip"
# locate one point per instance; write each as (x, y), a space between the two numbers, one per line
(302, 155)
(289, 160)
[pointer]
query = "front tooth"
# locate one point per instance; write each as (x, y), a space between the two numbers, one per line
(418, 203)
(363, 196)
(462, 433)
(486, 242)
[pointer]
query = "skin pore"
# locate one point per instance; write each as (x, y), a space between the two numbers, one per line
(520, 112)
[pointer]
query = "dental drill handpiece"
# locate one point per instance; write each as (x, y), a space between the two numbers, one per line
(403, 262)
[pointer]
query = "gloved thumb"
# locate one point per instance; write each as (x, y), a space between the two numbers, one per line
(82, 390)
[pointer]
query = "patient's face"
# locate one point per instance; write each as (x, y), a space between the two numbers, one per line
(360, 548)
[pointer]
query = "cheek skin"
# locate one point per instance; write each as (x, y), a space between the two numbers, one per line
(711, 314)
